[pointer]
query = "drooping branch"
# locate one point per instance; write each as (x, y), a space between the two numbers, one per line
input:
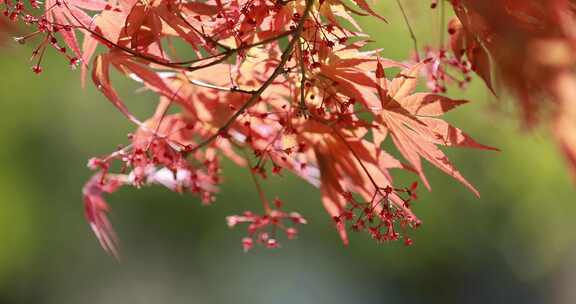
(316, 122)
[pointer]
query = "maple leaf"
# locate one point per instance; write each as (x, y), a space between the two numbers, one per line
(349, 71)
(96, 209)
(72, 13)
(101, 78)
(409, 118)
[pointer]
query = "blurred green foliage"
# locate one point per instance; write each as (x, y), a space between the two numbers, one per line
(516, 244)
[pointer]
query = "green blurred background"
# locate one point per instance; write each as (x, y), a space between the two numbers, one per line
(516, 244)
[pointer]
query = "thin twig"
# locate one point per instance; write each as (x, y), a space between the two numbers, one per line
(412, 35)
(442, 22)
(259, 189)
(303, 107)
(219, 88)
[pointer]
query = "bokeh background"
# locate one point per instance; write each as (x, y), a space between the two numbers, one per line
(516, 244)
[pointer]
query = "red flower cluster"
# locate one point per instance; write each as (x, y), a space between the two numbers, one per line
(53, 22)
(383, 214)
(264, 228)
(444, 69)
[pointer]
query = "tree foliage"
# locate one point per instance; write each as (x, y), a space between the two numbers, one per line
(291, 86)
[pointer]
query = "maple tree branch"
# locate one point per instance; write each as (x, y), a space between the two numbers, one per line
(268, 51)
(257, 95)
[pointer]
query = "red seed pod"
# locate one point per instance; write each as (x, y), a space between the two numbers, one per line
(247, 244)
(37, 69)
(272, 243)
(408, 241)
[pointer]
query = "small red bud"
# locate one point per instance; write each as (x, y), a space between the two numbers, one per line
(408, 241)
(37, 69)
